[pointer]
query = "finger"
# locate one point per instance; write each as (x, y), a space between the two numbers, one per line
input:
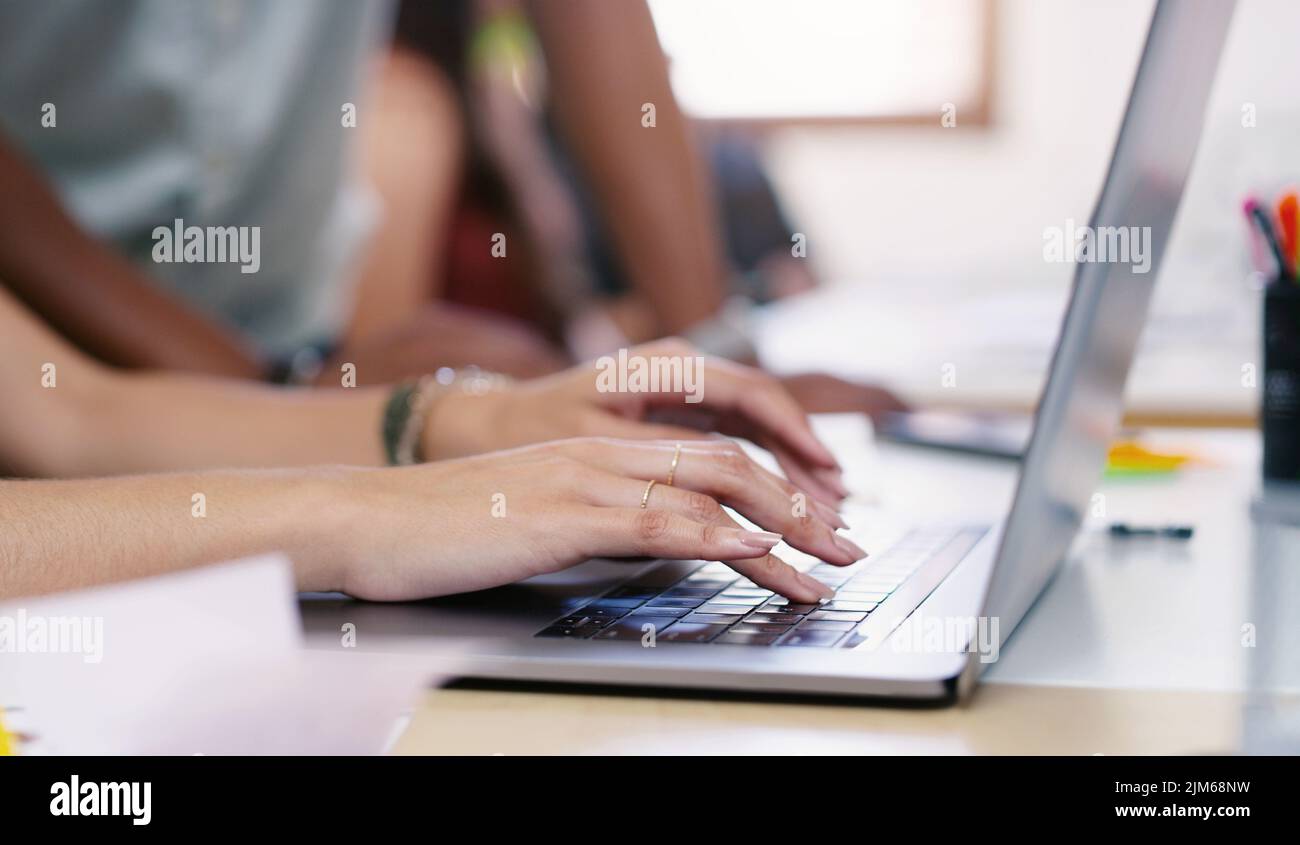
(706, 473)
(806, 478)
(830, 515)
(662, 533)
(824, 482)
(761, 401)
(659, 532)
(772, 573)
(723, 385)
(608, 425)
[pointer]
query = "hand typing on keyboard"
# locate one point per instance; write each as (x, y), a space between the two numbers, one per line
(434, 529)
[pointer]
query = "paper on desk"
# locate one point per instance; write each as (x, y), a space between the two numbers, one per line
(208, 661)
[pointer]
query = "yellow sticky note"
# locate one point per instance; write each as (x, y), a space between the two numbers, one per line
(1128, 456)
(6, 741)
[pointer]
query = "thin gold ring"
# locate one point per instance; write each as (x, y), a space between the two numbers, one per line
(645, 497)
(672, 470)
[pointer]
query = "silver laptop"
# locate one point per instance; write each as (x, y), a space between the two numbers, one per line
(698, 625)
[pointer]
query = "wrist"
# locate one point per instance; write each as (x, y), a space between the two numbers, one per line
(464, 422)
(318, 513)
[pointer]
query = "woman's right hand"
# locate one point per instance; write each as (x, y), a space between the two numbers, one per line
(469, 524)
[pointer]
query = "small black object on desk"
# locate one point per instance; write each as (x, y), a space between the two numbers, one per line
(1172, 532)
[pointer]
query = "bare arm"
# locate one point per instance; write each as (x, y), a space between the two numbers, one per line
(92, 294)
(65, 414)
(60, 535)
(413, 150)
(604, 63)
(415, 532)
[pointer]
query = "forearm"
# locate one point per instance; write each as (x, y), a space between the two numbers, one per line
(166, 422)
(59, 535)
(604, 62)
(67, 415)
(93, 295)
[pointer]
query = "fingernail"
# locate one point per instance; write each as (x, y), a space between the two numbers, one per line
(759, 539)
(824, 592)
(837, 484)
(822, 450)
(828, 513)
(849, 547)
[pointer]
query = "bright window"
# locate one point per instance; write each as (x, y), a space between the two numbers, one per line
(827, 59)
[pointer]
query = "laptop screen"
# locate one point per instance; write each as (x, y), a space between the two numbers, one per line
(1118, 256)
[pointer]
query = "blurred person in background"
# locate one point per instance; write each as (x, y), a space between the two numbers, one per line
(477, 70)
(246, 115)
(120, 119)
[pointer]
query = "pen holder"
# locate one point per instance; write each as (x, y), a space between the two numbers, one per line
(1279, 417)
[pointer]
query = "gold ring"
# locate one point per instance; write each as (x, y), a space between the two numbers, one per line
(672, 470)
(645, 497)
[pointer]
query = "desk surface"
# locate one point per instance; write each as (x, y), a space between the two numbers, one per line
(1134, 649)
(1001, 719)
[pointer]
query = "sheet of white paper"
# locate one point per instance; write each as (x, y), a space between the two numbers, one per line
(207, 661)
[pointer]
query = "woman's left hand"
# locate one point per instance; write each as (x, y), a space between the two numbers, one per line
(713, 395)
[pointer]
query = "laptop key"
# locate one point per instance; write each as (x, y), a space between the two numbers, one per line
(747, 601)
(857, 598)
(853, 606)
(649, 610)
(780, 604)
(812, 639)
(747, 638)
(711, 618)
(734, 592)
(721, 607)
(676, 602)
(581, 619)
(752, 626)
(689, 593)
(634, 628)
(633, 591)
(810, 625)
(867, 597)
(616, 603)
(767, 616)
(688, 632)
(597, 610)
(837, 616)
(872, 584)
(573, 632)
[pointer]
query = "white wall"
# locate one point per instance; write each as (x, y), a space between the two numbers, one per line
(878, 201)
(888, 210)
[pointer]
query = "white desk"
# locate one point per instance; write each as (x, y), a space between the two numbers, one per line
(1133, 613)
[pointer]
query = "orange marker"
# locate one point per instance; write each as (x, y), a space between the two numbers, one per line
(1287, 208)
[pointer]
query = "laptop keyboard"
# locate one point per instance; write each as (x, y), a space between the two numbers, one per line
(714, 604)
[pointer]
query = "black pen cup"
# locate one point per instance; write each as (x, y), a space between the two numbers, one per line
(1279, 416)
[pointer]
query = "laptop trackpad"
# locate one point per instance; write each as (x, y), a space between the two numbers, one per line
(514, 610)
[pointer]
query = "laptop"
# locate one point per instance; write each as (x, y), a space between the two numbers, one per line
(699, 625)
